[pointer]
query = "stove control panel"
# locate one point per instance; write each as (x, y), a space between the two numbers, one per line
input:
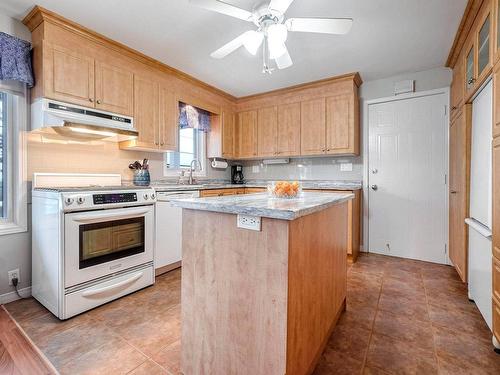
(111, 198)
(78, 201)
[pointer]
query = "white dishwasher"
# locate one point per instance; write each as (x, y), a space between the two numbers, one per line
(168, 229)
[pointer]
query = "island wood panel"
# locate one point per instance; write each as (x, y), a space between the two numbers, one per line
(354, 220)
(313, 127)
(17, 354)
(496, 320)
(289, 129)
(459, 190)
(221, 192)
(317, 246)
(246, 134)
(114, 89)
(234, 292)
(252, 190)
(267, 131)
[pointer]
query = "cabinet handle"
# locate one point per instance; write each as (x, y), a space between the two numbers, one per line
(98, 101)
(453, 192)
(327, 149)
(161, 143)
(453, 108)
(91, 100)
(471, 81)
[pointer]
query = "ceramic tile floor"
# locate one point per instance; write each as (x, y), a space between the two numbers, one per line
(403, 317)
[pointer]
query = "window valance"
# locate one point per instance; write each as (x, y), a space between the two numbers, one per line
(15, 59)
(193, 117)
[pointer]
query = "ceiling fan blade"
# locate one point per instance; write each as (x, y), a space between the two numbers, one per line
(320, 25)
(284, 61)
(233, 45)
(280, 6)
(224, 8)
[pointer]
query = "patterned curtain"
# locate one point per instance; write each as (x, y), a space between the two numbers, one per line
(15, 59)
(192, 117)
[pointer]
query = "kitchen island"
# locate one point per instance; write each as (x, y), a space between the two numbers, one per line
(261, 301)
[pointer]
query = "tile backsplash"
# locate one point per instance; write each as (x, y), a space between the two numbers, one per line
(321, 168)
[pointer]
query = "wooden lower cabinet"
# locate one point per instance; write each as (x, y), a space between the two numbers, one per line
(459, 190)
(221, 192)
(496, 320)
(255, 190)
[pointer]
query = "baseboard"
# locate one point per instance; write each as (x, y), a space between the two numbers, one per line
(12, 296)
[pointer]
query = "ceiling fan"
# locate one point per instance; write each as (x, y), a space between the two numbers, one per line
(272, 29)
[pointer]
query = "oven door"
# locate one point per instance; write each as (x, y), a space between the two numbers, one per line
(100, 243)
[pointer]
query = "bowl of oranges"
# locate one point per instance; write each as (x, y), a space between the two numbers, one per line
(284, 189)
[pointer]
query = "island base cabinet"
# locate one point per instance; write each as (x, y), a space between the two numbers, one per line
(261, 302)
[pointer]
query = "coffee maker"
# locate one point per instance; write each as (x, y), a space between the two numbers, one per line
(237, 174)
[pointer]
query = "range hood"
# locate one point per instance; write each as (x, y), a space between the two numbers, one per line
(71, 121)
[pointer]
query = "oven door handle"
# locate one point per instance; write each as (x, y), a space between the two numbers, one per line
(107, 216)
(130, 280)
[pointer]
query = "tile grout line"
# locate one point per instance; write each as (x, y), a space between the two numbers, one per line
(373, 324)
(431, 323)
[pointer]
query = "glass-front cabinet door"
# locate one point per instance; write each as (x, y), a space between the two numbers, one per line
(469, 69)
(483, 53)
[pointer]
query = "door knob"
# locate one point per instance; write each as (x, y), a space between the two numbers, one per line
(374, 170)
(374, 187)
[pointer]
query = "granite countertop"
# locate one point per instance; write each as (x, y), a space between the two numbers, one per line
(207, 185)
(262, 205)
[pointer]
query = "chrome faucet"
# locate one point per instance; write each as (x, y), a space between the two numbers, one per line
(191, 169)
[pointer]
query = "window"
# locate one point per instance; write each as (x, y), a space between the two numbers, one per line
(13, 113)
(193, 125)
(191, 146)
(3, 154)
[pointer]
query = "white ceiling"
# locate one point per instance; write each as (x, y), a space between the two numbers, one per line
(388, 37)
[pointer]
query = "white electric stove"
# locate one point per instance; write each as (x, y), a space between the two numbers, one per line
(93, 240)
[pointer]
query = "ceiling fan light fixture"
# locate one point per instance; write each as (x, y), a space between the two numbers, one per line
(276, 37)
(253, 41)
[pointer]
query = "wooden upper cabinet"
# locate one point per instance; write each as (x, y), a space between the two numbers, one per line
(289, 129)
(483, 42)
(69, 76)
(246, 129)
(496, 197)
(267, 131)
(340, 125)
(470, 68)
(496, 101)
(313, 127)
(114, 89)
(169, 120)
(146, 112)
(457, 88)
(496, 30)
(228, 135)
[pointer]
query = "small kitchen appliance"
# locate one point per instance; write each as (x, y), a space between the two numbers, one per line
(93, 240)
(237, 174)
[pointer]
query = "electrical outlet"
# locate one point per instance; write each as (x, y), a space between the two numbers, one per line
(249, 222)
(13, 274)
(346, 167)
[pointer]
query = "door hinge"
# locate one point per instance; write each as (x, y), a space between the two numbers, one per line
(445, 110)
(445, 179)
(446, 249)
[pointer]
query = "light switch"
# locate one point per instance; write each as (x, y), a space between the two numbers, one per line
(346, 167)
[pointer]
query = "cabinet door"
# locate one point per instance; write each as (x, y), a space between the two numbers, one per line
(496, 197)
(470, 72)
(313, 127)
(169, 120)
(267, 131)
(457, 87)
(496, 31)
(69, 76)
(459, 158)
(496, 320)
(483, 42)
(228, 135)
(146, 112)
(114, 89)
(289, 129)
(340, 125)
(496, 101)
(247, 134)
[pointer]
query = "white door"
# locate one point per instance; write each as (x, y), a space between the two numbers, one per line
(407, 168)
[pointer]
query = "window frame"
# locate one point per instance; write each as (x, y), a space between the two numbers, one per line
(201, 152)
(16, 220)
